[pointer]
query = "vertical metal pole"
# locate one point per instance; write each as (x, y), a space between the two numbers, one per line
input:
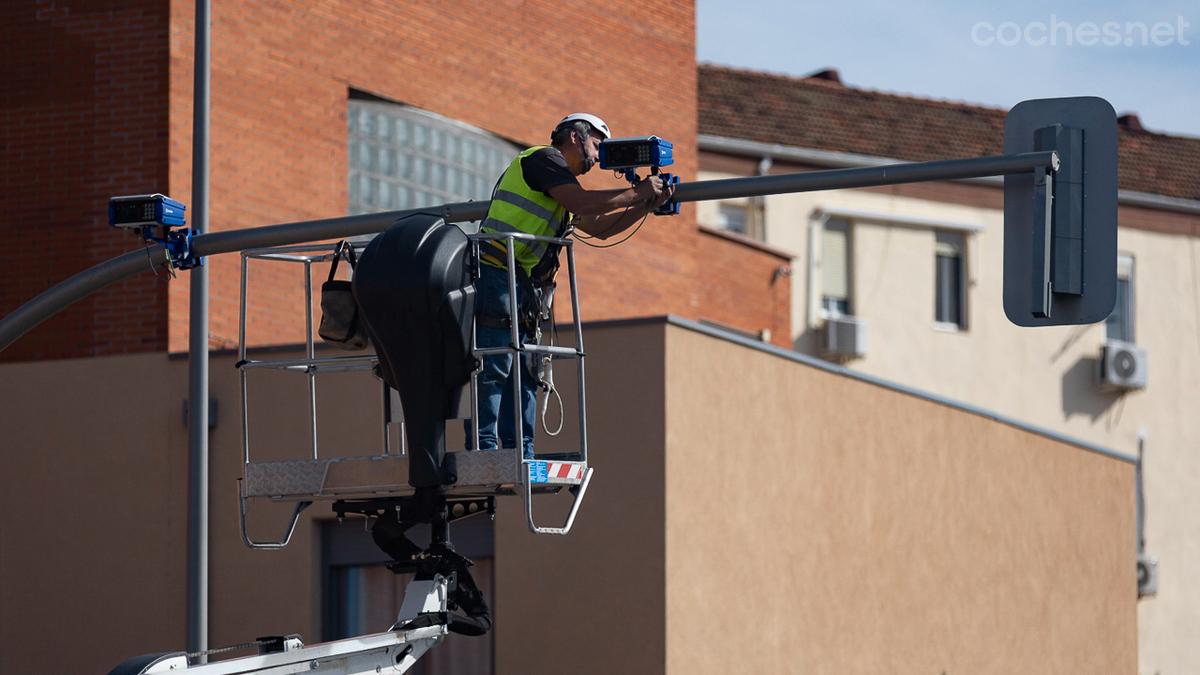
(474, 439)
(515, 373)
(387, 419)
(242, 371)
(197, 572)
(311, 352)
(583, 449)
(1043, 240)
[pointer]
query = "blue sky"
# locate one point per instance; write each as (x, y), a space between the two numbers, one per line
(994, 54)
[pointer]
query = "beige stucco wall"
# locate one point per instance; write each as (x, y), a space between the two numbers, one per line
(93, 535)
(1044, 376)
(818, 524)
(1168, 326)
(867, 535)
(92, 520)
(593, 601)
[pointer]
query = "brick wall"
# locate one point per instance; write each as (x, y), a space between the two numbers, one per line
(281, 72)
(84, 117)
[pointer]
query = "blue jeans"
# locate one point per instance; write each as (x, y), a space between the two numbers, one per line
(495, 384)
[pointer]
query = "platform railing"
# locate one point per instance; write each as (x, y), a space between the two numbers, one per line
(528, 472)
(528, 468)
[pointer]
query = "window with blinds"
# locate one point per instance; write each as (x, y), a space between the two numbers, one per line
(745, 216)
(734, 217)
(949, 306)
(1119, 324)
(401, 157)
(836, 268)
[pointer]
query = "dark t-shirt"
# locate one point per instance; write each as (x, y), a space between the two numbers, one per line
(545, 169)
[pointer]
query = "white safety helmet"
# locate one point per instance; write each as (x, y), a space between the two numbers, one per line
(597, 123)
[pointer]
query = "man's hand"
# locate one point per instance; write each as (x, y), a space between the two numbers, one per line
(652, 191)
(649, 194)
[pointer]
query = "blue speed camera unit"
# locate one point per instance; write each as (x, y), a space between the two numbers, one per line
(631, 153)
(627, 155)
(138, 211)
(157, 218)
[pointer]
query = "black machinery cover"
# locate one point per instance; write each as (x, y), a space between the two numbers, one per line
(416, 295)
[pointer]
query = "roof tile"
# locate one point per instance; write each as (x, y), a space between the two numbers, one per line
(827, 115)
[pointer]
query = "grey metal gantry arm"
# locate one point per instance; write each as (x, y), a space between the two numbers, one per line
(63, 294)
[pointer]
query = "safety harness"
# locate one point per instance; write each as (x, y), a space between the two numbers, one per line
(518, 208)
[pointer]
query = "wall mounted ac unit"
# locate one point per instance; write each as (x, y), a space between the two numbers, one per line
(1147, 575)
(845, 337)
(1122, 366)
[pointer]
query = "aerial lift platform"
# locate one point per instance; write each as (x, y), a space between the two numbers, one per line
(471, 477)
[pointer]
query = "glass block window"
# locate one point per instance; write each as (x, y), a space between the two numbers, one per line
(403, 157)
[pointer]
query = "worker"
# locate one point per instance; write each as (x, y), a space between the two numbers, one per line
(539, 194)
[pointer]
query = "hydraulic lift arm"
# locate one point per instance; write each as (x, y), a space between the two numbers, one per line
(423, 615)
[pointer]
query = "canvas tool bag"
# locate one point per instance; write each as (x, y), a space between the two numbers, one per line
(339, 312)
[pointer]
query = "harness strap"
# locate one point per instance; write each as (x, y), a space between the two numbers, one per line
(346, 249)
(493, 321)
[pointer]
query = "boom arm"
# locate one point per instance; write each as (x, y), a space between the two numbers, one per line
(423, 615)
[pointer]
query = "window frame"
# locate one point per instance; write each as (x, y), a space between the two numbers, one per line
(823, 311)
(1126, 273)
(959, 240)
(723, 223)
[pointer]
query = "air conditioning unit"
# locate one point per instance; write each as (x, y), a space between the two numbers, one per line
(1147, 575)
(1122, 366)
(845, 337)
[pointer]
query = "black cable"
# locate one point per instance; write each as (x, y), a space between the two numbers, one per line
(232, 648)
(616, 243)
(581, 237)
(421, 213)
(576, 232)
(149, 260)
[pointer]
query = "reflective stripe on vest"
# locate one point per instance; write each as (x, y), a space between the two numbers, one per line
(518, 208)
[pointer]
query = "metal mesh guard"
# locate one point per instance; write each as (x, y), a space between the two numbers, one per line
(478, 472)
(486, 468)
(288, 477)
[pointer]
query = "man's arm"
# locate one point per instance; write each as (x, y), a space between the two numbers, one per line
(604, 213)
(583, 202)
(611, 224)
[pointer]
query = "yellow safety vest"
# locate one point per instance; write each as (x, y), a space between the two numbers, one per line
(516, 207)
